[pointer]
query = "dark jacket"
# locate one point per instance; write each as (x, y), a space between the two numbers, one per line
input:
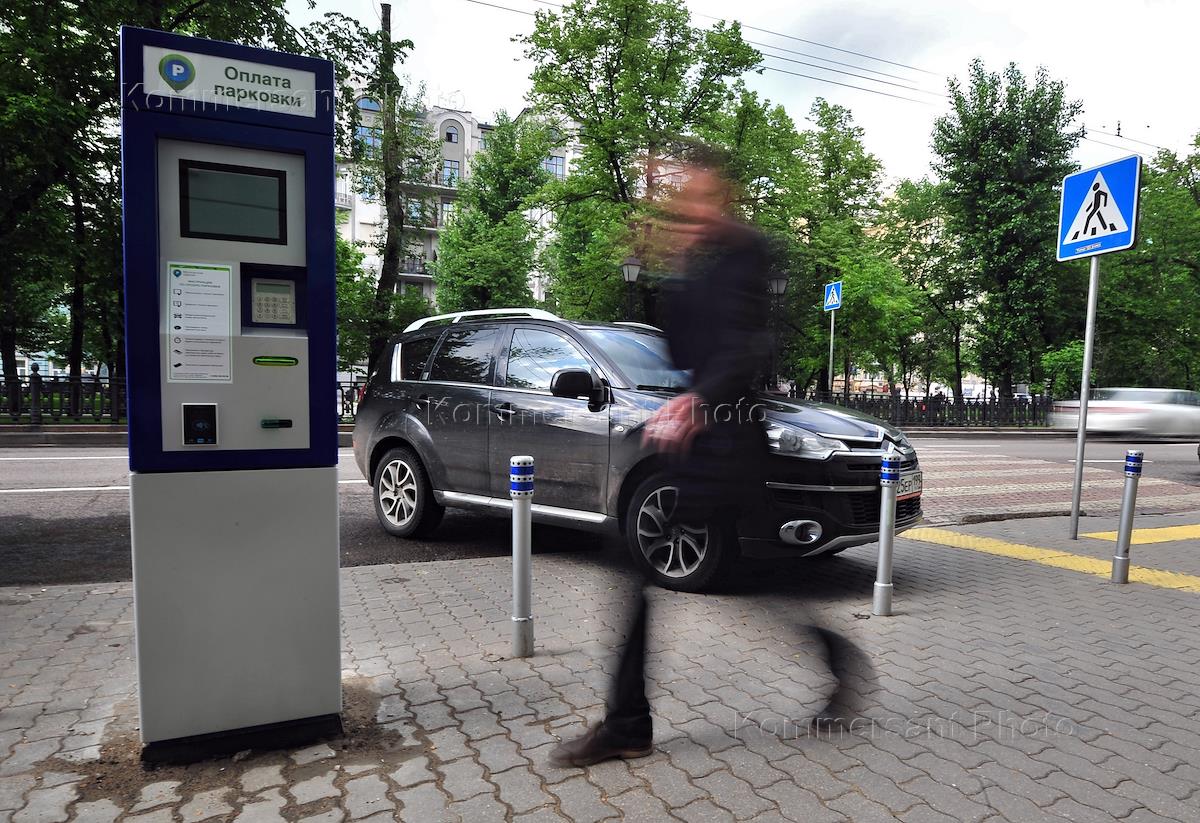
(716, 326)
(716, 314)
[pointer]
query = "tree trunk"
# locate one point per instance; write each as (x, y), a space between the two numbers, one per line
(78, 274)
(846, 373)
(958, 365)
(393, 198)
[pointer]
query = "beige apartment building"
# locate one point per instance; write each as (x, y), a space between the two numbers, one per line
(461, 136)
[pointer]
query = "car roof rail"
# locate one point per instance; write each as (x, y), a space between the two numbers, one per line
(480, 314)
(633, 325)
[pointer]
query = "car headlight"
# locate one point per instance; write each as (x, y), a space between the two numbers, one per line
(801, 442)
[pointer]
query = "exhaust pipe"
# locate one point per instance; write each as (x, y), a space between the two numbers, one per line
(800, 532)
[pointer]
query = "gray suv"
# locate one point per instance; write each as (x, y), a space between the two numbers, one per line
(455, 396)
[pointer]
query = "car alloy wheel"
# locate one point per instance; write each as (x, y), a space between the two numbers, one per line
(672, 550)
(397, 492)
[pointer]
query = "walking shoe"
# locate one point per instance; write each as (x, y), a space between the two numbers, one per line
(596, 745)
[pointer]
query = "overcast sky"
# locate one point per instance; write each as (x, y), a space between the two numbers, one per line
(1131, 61)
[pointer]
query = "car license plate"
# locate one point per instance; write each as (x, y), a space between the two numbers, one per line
(910, 485)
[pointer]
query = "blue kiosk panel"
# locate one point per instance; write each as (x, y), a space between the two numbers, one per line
(228, 195)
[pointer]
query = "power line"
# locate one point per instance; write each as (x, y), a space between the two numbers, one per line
(826, 60)
(846, 85)
(822, 45)
(1102, 143)
(1130, 139)
(859, 76)
(801, 40)
(762, 66)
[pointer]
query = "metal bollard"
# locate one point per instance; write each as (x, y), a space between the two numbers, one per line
(520, 487)
(1133, 472)
(889, 476)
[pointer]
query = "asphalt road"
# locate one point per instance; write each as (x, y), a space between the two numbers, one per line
(64, 512)
(1175, 461)
(64, 518)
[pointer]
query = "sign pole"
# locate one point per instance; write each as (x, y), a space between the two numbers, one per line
(832, 318)
(1089, 342)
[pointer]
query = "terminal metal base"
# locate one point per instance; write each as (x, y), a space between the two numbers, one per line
(288, 734)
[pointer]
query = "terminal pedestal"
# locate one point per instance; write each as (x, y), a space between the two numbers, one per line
(236, 589)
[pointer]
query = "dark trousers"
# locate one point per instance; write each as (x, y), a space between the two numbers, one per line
(628, 710)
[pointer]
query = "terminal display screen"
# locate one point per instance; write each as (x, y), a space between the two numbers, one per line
(218, 201)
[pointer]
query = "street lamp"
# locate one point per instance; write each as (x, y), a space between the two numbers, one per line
(631, 267)
(777, 283)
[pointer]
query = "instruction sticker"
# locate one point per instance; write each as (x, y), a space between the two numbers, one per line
(198, 323)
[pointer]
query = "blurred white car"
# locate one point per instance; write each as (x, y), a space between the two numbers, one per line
(1157, 412)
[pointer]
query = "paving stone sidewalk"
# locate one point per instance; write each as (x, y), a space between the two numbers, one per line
(1004, 691)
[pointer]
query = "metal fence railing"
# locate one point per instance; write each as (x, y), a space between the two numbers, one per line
(37, 400)
(938, 410)
(33, 399)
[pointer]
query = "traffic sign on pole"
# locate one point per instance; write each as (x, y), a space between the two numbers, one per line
(1097, 215)
(833, 296)
(1098, 211)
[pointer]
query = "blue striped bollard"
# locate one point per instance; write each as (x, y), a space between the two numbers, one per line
(889, 476)
(1133, 473)
(520, 488)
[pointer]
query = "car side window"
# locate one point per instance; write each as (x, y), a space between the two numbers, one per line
(465, 356)
(410, 357)
(536, 355)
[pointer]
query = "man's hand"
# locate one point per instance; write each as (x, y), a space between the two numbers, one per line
(673, 427)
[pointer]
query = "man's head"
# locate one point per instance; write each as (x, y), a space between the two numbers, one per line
(706, 193)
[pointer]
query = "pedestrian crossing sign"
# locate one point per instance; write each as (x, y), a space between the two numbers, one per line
(1098, 211)
(833, 296)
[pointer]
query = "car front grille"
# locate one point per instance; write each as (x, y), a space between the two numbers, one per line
(873, 466)
(864, 508)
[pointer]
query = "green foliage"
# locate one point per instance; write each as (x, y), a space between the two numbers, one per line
(1062, 368)
(634, 77)
(1148, 319)
(1002, 152)
(486, 253)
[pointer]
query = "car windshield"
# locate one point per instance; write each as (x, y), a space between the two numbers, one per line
(642, 357)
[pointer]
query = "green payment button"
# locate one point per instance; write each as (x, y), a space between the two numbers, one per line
(274, 360)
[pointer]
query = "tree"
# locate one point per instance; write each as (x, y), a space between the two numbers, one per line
(487, 251)
(633, 77)
(841, 180)
(914, 236)
(1148, 318)
(59, 101)
(1002, 152)
(396, 156)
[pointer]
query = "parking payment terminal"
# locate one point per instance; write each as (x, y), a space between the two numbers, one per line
(227, 163)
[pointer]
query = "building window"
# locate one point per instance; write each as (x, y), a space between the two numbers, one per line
(450, 170)
(414, 209)
(451, 134)
(556, 166)
(483, 138)
(447, 211)
(368, 104)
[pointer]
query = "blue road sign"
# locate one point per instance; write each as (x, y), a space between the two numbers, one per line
(1098, 212)
(833, 296)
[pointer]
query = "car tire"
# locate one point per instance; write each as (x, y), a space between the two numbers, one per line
(403, 496)
(687, 558)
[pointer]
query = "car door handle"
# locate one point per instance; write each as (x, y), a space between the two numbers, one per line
(503, 409)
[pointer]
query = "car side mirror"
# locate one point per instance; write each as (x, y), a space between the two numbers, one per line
(575, 383)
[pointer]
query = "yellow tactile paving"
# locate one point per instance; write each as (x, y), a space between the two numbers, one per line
(1054, 557)
(1160, 534)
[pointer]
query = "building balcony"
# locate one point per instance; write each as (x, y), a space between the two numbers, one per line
(343, 200)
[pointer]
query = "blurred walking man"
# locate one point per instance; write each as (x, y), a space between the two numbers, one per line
(716, 326)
